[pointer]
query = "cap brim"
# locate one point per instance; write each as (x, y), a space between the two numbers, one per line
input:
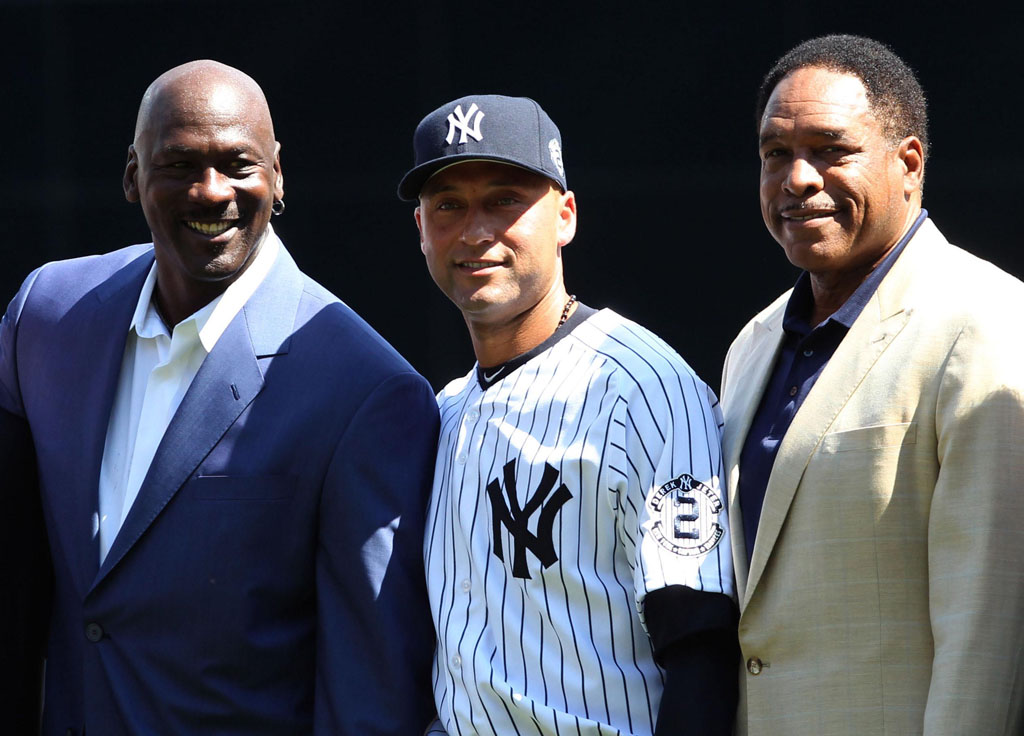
(412, 183)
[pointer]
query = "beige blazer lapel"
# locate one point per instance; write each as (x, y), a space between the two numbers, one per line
(874, 330)
(744, 380)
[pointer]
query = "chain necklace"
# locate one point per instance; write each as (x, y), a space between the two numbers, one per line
(565, 311)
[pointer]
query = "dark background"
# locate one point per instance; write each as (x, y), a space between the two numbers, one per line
(654, 101)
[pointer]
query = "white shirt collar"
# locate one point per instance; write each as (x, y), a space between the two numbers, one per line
(214, 318)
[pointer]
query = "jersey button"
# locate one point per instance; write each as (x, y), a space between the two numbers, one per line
(754, 666)
(472, 414)
(93, 632)
(456, 661)
(792, 391)
(465, 586)
(461, 459)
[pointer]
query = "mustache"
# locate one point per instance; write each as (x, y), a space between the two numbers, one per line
(798, 207)
(227, 212)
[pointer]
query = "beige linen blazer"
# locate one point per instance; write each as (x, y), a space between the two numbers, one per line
(886, 590)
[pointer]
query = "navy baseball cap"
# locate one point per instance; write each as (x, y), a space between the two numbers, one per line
(511, 130)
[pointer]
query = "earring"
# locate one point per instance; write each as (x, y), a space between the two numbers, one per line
(278, 207)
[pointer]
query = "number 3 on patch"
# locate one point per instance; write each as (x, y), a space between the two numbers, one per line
(685, 513)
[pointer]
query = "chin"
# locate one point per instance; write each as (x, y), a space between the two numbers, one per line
(476, 308)
(215, 275)
(219, 268)
(213, 271)
(807, 255)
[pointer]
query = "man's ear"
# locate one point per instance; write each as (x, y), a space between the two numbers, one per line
(131, 170)
(911, 154)
(278, 174)
(419, 226)
(567, 219)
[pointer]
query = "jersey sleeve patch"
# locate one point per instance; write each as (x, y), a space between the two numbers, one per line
(685, 514)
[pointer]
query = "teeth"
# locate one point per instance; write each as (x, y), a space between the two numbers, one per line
(805, 217)
(476, 264)
(210, 228)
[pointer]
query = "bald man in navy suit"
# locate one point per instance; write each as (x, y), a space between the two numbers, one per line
(232, 466)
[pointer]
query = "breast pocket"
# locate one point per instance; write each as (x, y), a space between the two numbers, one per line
(878, 437)
(243, 488)
(863, 472)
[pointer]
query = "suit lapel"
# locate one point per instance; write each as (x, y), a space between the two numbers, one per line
(97, 328)
(747, 382)
(227, 382)
(210, 406)
(883, 318)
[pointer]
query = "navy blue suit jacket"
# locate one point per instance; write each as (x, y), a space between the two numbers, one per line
(268, 578)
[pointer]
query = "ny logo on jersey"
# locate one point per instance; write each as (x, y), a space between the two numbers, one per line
(460, 121)
(516, 519)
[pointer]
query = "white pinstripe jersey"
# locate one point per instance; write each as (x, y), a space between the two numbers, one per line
(563, 493)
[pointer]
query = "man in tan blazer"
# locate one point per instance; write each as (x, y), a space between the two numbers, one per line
(874, 430)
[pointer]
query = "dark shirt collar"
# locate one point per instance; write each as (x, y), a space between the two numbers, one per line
(801, 303)
(487, 377)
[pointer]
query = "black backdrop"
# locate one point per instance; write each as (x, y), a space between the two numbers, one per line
(654, 101)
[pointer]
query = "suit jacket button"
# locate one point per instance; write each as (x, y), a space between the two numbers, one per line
(93, 632)
(754, 666)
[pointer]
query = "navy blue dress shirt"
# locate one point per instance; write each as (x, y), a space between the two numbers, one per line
(805, 352)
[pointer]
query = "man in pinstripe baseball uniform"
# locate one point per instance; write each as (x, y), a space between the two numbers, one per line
(576, 546)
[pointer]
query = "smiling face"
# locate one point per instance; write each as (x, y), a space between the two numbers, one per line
(836, 193)
(206, 170)
(492, 236)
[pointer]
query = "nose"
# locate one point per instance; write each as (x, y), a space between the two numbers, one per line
(802, 177)
(211, 188)
(479, 227)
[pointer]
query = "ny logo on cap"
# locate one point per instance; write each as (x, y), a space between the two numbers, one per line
(556, 156)
(460, 121)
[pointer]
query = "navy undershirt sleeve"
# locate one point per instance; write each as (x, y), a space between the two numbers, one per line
(695, 642)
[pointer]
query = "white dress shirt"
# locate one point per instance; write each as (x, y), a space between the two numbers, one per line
(156, 371)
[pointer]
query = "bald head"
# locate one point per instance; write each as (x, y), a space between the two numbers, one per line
(207, 88)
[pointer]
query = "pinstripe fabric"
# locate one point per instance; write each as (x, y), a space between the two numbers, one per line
(561, 649)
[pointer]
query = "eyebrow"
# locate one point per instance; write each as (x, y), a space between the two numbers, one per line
(830, 133)
(183, 149)
(176, 149)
